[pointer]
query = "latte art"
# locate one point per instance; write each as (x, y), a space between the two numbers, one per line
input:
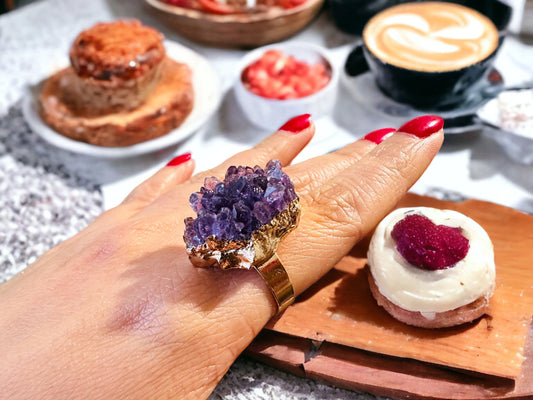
(430, 36)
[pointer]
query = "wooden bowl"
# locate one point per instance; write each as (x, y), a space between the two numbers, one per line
(237, 30)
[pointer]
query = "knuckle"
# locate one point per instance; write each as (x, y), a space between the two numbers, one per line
(267, 150)
(397, 165)
(338, 207)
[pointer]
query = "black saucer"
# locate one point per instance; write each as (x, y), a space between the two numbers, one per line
(457, 119)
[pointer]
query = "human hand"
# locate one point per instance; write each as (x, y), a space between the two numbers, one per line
(118, 311)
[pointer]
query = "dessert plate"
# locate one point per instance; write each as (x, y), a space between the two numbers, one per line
(459, 119)
(207, 96)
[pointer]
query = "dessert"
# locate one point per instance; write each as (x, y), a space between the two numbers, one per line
(120, 89)
(279, 76)
(431, 268)
(118, 66)
(516, 111)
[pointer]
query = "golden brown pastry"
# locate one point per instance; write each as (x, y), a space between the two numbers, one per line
(118, 65)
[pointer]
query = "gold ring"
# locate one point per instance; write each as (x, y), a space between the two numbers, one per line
(240, 222)
(278, 281)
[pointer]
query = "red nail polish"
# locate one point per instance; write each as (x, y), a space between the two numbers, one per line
(379, 135)
(297, 124)
(423, 126)
(179, 160)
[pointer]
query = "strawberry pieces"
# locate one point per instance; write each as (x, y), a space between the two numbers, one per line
(279, 76)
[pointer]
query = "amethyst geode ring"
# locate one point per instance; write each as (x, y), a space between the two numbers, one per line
(241, 220)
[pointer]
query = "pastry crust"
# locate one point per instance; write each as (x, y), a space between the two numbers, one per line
(458, 316)
(165, 109)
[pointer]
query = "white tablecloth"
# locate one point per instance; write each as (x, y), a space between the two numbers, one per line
(33, 37)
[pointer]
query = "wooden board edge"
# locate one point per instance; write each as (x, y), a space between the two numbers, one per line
(381, 375)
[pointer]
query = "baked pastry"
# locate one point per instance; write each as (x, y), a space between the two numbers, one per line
(118, 65)
(431, 268)
(121, 88)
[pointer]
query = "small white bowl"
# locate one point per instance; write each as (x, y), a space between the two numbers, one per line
(270, 114)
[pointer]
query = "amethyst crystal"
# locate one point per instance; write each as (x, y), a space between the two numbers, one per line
(232, 209)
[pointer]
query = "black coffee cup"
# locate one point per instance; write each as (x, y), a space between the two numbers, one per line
(350, 16)
(430, 90)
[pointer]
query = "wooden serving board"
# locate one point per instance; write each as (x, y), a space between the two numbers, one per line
(336, 332)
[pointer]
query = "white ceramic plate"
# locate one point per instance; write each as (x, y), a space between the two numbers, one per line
(207, 96)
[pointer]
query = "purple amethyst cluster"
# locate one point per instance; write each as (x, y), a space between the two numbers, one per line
(232, 209)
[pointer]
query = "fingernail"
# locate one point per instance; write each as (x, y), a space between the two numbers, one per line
(297, 124)
(379, 135)
(179, 160)
(423, 126)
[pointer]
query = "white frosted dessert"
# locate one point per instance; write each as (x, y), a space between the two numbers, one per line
(516, 111)
(430, 267)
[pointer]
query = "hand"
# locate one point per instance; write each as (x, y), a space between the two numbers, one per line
(118, 311)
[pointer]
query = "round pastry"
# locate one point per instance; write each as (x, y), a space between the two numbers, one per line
(118, 65)
(431, 268)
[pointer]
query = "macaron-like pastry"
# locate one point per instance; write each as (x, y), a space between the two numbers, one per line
(431, 268)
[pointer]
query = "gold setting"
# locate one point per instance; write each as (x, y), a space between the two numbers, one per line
(229, 254)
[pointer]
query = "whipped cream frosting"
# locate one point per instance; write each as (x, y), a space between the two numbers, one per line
(415, 289)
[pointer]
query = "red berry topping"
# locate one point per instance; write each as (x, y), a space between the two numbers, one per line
(429, 246)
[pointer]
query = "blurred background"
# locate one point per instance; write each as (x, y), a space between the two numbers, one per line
(522, 23)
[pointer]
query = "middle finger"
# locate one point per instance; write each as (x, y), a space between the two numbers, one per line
(307, 176)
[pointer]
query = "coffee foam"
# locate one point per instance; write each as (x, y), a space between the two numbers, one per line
(431, 36)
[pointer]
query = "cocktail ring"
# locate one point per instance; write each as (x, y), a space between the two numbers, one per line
(240, 222)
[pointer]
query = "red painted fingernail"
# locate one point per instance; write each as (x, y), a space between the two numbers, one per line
(379, 136)
(423, 126)
(179, 160)
(297, 124)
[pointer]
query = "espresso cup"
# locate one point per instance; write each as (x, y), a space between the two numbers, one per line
(430, 54)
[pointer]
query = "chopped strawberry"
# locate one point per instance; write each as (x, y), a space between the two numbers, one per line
(279, 76)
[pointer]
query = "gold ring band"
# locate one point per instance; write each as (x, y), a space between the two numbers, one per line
(278, 281)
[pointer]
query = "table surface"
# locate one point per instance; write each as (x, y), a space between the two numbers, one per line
(48, 194)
